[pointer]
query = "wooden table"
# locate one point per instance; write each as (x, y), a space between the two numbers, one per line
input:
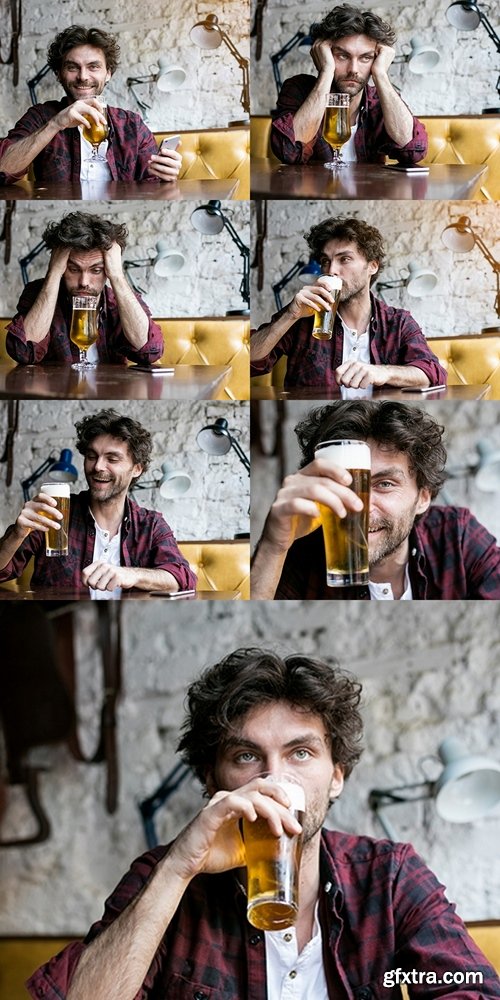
(365, 180)
(453, 392)
(119, 190)
(51, 594)
(111, 382)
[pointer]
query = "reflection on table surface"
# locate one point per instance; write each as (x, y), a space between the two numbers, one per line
(70, 594)
(453, 392)
(111, 382)
(119, 190)
(365, 180)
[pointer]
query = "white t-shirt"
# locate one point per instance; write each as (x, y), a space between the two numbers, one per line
(106, 550)
(383, 591)
(354, 347)
(94, 172)
(291, 976)
(347, 151)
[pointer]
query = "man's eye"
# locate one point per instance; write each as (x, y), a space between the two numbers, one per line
(302, 753)
(246, 757)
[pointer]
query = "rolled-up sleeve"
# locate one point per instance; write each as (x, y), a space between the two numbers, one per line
(283, 142)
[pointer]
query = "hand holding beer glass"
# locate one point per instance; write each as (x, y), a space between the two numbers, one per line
(346, 538)
(83, 330)
(337, 126)
(95, 133)
(56, 539)
(273, 864)
(324, 319)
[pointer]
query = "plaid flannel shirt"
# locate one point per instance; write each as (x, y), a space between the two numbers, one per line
(395, 339)
(130, 146)
(56, 348)
(380, 908)
(371, 141)
(452, 558)
(146, 541)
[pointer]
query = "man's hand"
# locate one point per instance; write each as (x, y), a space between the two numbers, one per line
(58, 261)
(384, 55)
(78, 112)
(102, 576)
(38, 515)
(165, 165)
(310, 299)
(212, 841)
(113, 261)
(295, 511)
(359, 375)
(322, 56)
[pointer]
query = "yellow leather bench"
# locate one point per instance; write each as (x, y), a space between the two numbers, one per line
(463, 139)
(19, 957)
(219, 565)
(210, 341)
(216, 153)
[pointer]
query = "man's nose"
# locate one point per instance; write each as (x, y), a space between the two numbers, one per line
(99, 463)
(334, 268)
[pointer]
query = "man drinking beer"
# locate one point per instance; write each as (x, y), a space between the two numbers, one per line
(350, 45)
(371, 343)
(113, 544)
(50, 136)
(85, 254)
(416, 551)
(176, 925)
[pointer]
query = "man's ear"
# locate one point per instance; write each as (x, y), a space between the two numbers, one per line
(337, 783)
(373, 267)
(210, 783)
(424, 499)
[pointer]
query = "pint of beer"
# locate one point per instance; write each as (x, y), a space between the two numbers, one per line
(273, 866)
(95, 132)
(83, 330)
(346, 538)
(337, 121)
(56, 542)
(325, 318)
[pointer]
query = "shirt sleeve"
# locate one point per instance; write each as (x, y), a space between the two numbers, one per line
(481, 556)
(266, 364)
(414, 151)
(146, 148)
(283, 142)
(415, 351)
(152, 349)
(18, 348)
(432, 939)
(28, 548)
(27, 124)
(165, 554)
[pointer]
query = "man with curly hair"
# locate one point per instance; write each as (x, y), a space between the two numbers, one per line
(371, 344)
(85, 254)
(416, 551)
(50, 135)
(114, 544)
(349, 46)
(176, 926)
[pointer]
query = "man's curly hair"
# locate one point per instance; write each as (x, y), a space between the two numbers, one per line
(82, 231)
(251, 677)
(138, 439)
(368, 240)
(348, 20)
(398, 426)
(76, 35)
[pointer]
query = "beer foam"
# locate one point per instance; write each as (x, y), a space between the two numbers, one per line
(347, 454)
(295, 793)
(330, 281)
(55, 489)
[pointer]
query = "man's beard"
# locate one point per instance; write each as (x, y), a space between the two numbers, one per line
(340, 83)
(314, 817)
(115, 489)
(395, 533)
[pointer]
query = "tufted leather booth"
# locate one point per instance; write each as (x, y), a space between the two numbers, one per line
(218, 152)
(209, 341)
(463, 139)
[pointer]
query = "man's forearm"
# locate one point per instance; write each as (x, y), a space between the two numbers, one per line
(134, 321)
(114, 966)
(9, 544)
(398, 119)
(267, 566)
(155, 579)
(38, 320)
(263, 341)
(21, 154)
(405, 376)
(308, 118)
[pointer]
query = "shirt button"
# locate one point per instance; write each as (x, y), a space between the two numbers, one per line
(200, 995)
(255, 939)
(354, 348)
(287, 937)
(292, 974)
(385, 590)
(328, 887)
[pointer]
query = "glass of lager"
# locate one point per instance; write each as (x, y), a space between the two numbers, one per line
(95, 133)
(337, 126)
(346, 538)
(83, 331)
(324, 319)
(56, 542)
(273, 864)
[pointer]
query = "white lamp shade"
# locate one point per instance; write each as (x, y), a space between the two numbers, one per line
(469, 786)
(421, 281)
(212, 442)
(487, 478)
(170, 77)
(167, 261)
(423, 57)
(208, 223)
(173, 483)
(459, 236)
(463, 16)
(206, 34)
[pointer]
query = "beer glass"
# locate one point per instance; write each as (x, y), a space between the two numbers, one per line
(337, 126)
(95, 133)
(324, 319)
(346, 538)
(56, 542)
(83, 331)
(273, 865)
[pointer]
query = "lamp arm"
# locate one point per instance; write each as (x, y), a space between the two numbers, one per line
(284, 281)
(26, 484)
(133, 81)
(24, 262)
(279, 56)
(149, 806)
(245, 253)
(240, 453)
(32, 84)
(243, 64)
(490, 29)
(495, 264)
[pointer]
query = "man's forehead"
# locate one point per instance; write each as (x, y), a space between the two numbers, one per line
(86, 258)
(386, 456)
(332, 248)
(104, 443)
(83, 54)
(355, 44)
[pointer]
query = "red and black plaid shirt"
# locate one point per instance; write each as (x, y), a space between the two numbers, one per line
(380, 908)
(395, 339)
(146, 541)
(56, 348)
(371, 141)
(130, 146)
(452, 557)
